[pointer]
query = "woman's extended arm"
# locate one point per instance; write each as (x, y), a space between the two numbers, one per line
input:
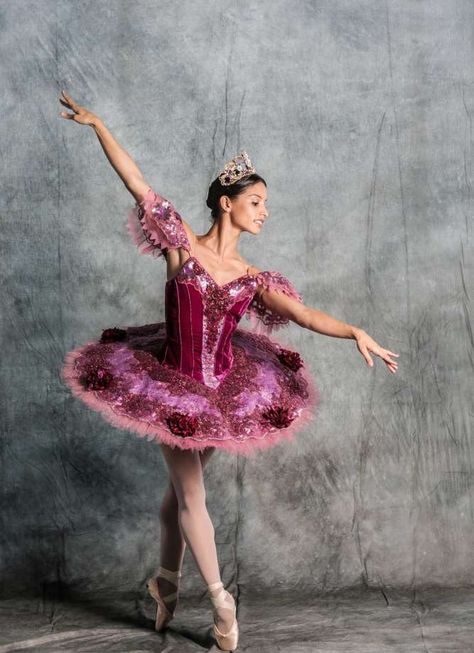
(315, 320)
(120, 160)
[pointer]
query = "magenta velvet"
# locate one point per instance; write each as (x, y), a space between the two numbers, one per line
(196, 380)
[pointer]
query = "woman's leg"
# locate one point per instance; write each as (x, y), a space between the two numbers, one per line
(186, 474)
(172, 542)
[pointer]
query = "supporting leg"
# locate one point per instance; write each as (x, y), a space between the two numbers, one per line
(186, 474)
(172, 542)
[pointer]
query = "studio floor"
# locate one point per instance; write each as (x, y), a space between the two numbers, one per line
(367, 621)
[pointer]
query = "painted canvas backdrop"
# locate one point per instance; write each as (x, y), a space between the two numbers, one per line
(359, 116)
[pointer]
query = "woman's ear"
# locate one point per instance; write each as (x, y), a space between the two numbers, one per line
(224, 203)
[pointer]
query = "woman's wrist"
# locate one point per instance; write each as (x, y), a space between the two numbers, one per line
(97, 124)
(355, 332)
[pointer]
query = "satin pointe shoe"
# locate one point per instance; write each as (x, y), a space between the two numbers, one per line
(225, 641)
(163, 615)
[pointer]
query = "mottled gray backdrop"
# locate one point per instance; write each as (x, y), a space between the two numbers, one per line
(359, 115)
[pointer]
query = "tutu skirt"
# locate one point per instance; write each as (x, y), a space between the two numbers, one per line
(267, 395)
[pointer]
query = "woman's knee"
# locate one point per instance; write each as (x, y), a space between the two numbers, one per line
(191, 494)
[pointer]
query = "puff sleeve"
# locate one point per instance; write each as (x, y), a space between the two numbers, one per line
(261, 317)
(155, 226)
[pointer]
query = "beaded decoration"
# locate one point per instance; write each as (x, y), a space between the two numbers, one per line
(196, 380)
(258, 313)
(156, 226)
(237, 168)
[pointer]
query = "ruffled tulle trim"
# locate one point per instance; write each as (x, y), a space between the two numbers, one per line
(160, 433)
(135, 230)
(262, 319)
(155, 226)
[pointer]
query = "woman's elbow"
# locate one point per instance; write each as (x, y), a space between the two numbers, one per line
(302, 317)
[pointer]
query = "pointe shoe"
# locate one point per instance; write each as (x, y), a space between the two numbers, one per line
(163, 615)
(226, 641)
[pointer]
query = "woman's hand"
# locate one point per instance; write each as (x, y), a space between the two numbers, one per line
(366, 344)
(80, 115)
(121, 161)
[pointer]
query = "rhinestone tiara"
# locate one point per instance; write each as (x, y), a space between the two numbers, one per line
(237, 168)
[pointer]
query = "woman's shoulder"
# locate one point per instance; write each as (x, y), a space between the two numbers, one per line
(264, 307)
(252, 269)
(272, 280)
(147, 198)
(261, 274)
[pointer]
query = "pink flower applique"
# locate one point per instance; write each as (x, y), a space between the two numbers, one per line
(291, 359)
(279, 416)
(182, 424)
(97, 378)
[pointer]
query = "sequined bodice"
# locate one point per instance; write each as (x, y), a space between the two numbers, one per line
(201, 316)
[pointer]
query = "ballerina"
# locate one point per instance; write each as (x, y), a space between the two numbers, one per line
(197, 382)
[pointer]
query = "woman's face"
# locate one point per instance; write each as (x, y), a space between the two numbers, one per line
(248, 210)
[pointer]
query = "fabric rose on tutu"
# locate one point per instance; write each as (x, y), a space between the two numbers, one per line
(279, 416)
(291, 359)
(97, 378)
(113, 335)
(182, 424)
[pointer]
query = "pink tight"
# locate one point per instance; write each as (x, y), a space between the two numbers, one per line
(183, 514)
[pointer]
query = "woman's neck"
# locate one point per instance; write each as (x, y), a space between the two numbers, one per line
(222, 238)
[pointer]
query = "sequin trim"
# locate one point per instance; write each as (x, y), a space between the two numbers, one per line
(259, 396)
(156, 226)
(257, 312)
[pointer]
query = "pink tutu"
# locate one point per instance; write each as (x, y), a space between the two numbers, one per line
(196, 380)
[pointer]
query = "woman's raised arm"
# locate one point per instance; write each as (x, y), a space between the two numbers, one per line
(120, 160)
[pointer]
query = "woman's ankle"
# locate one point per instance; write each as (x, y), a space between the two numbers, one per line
(215, 588)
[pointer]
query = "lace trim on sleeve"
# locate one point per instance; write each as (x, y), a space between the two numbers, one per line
(261, 317)
(155, 226)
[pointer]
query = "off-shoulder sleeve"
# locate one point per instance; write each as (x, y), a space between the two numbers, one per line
(156, 226)
(262, 318)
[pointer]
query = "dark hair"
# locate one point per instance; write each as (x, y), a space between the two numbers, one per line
(217, 190)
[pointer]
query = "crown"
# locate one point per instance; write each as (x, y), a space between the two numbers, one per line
(237, 168)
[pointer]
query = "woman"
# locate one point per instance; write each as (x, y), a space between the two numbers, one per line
(196, 382)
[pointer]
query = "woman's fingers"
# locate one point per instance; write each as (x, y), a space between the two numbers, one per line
(362, 342)
(386, 356)
(80, 115)
(389, 359)
(67, 97)
(65, 103)
(365, 353)
(70, 102)
(391, 364)
(366, 344)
